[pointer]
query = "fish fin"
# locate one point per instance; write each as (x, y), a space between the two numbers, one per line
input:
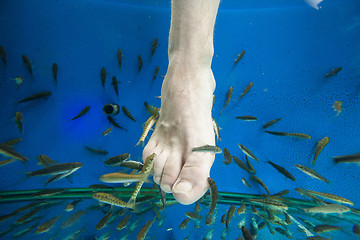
(139, 142)
(69, 179)
(340, 215)
(314, 3)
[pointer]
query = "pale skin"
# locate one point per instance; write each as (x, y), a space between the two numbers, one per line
(186, 101)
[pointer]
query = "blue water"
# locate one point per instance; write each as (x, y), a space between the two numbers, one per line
(289, 48)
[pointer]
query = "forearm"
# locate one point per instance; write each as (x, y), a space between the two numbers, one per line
(191, 31)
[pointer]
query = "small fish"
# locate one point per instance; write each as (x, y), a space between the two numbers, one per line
(247, 152)
(46, 226)
(48, 192)
(319, 147)
(261, 225)
(281, 231)
(216, 129)
(154, 44)
(228, 97)
(241, 209)
(157, 69)
(162, 196)
(356, 229)
(140, 62)
(5, 162)
(103, 76)
(229, 215)
(311, 173)
(337, 107)
(355, 158)
(104, 221)
(123, 223)
(241, 164)
(239, 56)
(73, 219)
(247, 118)
(57, 169)
(282, 134)
(193, 215)
(328, 208)
(147, 127)
(117, 160)
(119, 57)
(246, 233)
(325, 228)
(113, 122)
(248, 163)
(19, 121)
(8, 151)
(197, 207)
(7, 216)
(45, 161)
(282, 170)
(18, 80)
(97, 151)
(207, 148)
(119, 177)
(29, 206)
(132, 164)
(299, 135)
(258, 180)
(100, 186)
(36, 96)
(27, 63)
(13, 141)
(253, 209)
(24, 231)
(282, 193)
(3, 55)
(227, 156)
(331, 197)
(214, 199)
(272, 203)
(28, 215)
(109, 199)
(144, 230)
(127, 113)
(333, 72)
(54, 71)
(223, 218)
(72, 205)
(245, 182)
(114, 83)
(146, 168)
(107, 131)
(184, 223)
(247, 89)
(81, 113)
(272, 122)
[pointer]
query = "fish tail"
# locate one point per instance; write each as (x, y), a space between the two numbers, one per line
(140, 142)
(130, 203)
(145, 178)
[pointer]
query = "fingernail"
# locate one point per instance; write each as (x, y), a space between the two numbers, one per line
(182, 187)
